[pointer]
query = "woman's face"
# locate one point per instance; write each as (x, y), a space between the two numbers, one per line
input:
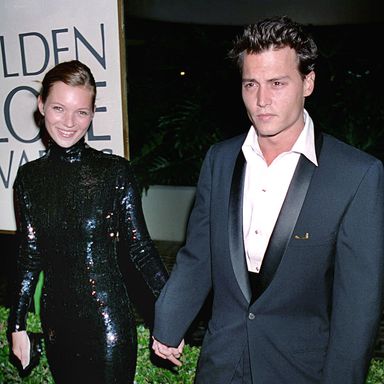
(68, 112)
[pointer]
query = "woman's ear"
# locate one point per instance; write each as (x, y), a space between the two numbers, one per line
(40, 105)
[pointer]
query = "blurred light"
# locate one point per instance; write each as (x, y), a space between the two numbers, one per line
(182, 73)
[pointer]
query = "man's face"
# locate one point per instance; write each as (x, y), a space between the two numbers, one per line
(273, 92)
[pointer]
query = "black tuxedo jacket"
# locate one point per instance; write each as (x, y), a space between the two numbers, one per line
(320, 301)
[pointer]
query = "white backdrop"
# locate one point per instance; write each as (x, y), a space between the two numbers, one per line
(34, 36)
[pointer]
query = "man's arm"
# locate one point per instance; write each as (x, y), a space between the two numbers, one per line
(358, 283)
(190, 282)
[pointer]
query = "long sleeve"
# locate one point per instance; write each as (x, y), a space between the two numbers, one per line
(358, 283)
(29, 261)
(141, 248)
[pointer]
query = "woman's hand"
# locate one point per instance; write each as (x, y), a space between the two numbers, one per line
(21, 347)
(170, 353)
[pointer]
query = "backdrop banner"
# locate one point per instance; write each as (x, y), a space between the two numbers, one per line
(35, 36)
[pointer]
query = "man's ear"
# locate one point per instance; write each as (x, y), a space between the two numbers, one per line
(309, 83)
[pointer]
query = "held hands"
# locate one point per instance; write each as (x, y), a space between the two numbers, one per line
(170, 353)
(21, 347)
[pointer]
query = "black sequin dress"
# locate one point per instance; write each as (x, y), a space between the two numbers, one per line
(79, 216)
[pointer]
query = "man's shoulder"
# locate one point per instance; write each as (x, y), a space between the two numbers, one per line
(231, 144)
(344, 152)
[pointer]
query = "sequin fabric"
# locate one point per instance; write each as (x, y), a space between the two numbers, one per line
(79, 216)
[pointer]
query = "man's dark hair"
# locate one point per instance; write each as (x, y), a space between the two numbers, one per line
(276, 32)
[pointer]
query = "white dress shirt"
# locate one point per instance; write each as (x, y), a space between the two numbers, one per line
(265, 188)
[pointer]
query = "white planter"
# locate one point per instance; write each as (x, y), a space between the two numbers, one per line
(166, 210)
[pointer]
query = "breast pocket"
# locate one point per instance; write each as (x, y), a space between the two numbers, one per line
(312, 239)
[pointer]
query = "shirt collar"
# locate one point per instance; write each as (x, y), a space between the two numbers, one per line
(305, 143)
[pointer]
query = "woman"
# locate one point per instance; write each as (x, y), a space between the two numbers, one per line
(80, 217)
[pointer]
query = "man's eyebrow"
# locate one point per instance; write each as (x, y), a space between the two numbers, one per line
(245, 80)
(278, 78)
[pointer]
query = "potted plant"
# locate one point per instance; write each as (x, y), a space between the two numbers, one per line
(168, 165)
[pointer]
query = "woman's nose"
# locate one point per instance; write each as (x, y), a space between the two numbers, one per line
(69, 120)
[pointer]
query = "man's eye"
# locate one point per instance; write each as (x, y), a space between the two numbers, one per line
(249, 85)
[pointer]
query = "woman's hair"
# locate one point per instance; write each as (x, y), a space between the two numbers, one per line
(72, 73)
(276, 32)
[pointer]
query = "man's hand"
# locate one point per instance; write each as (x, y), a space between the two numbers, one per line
(170, 353)
(21, 347)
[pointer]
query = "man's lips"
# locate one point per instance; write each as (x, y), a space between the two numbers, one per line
(264, 116)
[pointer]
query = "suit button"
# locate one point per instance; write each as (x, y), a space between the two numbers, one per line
(251, 316)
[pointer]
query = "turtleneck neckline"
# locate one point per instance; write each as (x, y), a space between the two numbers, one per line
(71, 154)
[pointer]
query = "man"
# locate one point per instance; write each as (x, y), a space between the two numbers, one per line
(287, 232)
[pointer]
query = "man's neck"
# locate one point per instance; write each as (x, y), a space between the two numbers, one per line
(272, 147)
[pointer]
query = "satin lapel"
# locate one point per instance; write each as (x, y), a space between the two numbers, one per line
(235, 227)
(288, 216)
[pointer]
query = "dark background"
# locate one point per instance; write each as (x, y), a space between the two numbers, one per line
(173, 119)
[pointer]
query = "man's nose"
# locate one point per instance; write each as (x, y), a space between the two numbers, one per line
(263, 97)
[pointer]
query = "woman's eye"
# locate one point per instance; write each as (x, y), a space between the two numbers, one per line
(84, 113)
(57, 108)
